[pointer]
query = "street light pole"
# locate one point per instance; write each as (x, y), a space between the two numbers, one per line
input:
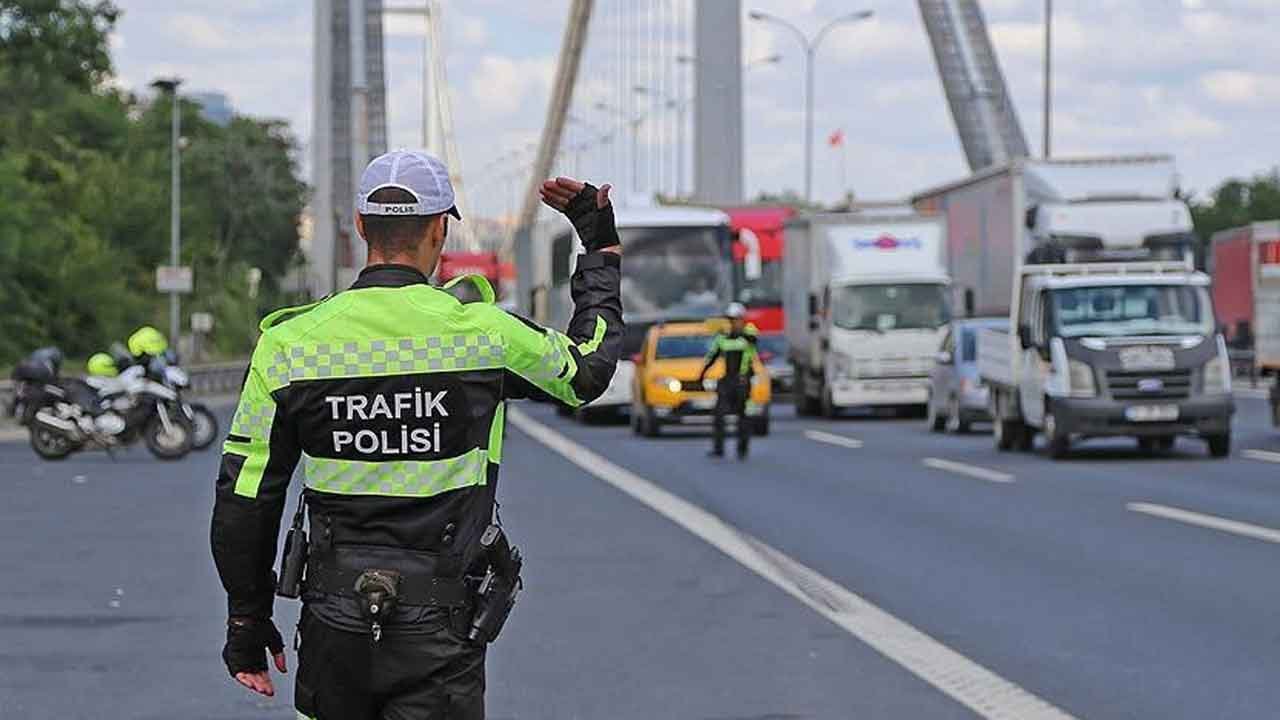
(1048, 77)
(810, 53)
(170, 86)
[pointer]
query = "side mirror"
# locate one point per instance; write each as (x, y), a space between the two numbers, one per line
(1024, 336)
(943, 357)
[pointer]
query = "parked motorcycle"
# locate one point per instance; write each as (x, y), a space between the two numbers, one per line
(65, 415)
(204, 422)
(165, 369)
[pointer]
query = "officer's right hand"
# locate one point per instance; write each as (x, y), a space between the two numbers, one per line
(248, 640)
(588, 208)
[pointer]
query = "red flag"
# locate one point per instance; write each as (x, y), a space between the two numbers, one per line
(836, 139)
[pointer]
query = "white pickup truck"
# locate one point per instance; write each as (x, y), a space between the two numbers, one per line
(1109, 349)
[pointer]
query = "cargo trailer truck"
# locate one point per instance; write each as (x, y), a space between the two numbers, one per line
(1112, 331)
(865, 302)
(1246, 294)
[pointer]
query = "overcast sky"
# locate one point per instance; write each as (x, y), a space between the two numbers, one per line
(1196, 78)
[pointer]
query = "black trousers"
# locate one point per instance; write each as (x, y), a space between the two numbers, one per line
(731, 399)
(432, 674)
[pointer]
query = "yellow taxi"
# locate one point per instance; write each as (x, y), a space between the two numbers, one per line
(665, 388)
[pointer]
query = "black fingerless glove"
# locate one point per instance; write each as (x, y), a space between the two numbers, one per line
(248, 639)
(594, 224)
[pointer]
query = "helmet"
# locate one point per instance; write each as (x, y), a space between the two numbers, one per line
(101, 365)
(147, 340)
(735, 311)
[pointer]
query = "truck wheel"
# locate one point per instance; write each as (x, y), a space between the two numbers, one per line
(828, 405)
(1001, 430)
(805, 405)
(1026, 437)
(933, 419)
(1057, 442)
(1219, 445)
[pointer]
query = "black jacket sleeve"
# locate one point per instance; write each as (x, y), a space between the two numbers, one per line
(575, 366)
(258, 460)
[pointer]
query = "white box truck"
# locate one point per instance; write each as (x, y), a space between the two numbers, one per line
(865, 301)
(1112, 331)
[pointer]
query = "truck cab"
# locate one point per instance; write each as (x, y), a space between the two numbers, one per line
(867, 302)
(1109, 349)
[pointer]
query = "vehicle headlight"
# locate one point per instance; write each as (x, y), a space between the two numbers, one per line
(669, 383)
(1217, 376)
(1080, 379)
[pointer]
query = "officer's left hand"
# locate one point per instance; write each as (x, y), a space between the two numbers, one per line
(248, 639)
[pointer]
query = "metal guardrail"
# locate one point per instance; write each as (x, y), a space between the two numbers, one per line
(211, 379)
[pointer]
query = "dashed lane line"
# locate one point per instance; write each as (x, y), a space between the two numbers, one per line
(1263, 455)
(988, 695)
(968, 470)
(1211, 522)
(830, 439)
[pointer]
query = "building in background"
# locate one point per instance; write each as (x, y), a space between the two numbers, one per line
(349, 129)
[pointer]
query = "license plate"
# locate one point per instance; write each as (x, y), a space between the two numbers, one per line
(702, 403)
(1151, 413)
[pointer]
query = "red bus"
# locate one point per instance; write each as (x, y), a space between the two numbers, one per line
(757, 262)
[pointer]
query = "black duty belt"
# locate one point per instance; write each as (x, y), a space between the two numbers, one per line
(335, 571)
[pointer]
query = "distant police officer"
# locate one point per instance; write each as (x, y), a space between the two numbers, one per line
(391, 395)
(738, 348)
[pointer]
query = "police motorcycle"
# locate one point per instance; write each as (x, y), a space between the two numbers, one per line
(165, 369)
(66, 415)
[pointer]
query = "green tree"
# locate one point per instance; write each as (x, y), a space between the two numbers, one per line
(84, 190)
(1238, 202)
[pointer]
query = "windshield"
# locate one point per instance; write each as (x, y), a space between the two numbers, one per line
(1131, 310)
(675, 271)
(890, 307)
(764, 291)
(682, 346)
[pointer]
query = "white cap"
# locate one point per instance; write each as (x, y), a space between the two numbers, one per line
(735, 310)
(417, 173)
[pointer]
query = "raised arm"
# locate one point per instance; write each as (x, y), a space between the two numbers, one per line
(258, 460)
(575, 366)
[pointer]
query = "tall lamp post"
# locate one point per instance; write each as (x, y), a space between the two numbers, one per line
(810, 46)
(170, 86)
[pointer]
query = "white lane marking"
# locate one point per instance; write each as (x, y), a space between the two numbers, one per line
(1263, 455)
(1253, 393)
(841, 440)
(1212, 522)
(972, 471)
(977, 688)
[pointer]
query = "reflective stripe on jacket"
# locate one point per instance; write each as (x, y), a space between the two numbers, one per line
(391, 397)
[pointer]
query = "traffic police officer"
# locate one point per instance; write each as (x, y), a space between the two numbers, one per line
(391, 396)
(738, 348)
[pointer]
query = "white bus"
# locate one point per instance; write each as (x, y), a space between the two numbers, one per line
(677, 265)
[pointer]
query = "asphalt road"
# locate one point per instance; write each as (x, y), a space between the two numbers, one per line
(1110, 585)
